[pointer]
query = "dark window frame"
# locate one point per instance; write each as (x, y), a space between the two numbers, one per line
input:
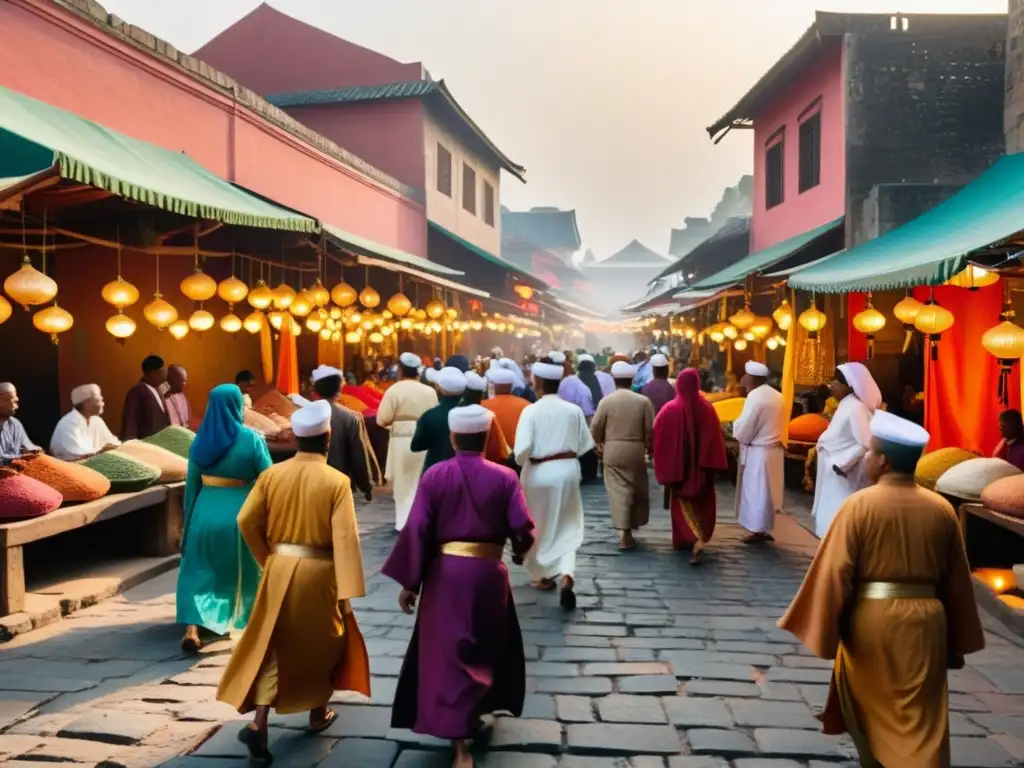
(443, 182)
(809, 147)
(469, 182)
(775, 155)
(488, 204)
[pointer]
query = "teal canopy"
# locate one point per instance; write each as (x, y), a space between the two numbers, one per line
(35, 136)
(933, 247)
(371, 248)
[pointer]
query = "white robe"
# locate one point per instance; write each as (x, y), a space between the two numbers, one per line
(844, 444)
(75, 437)
(403, 403)
(547, 428)
(761, 481)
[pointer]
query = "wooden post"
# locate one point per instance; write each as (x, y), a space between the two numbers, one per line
(12, 581)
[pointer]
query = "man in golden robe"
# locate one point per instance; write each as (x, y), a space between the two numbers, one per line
(302, 642)
(889, 597)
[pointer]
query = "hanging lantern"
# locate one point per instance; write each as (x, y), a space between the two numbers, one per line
(436, 326)
(120, 326)
(315, 322)
(523, 291)
(973, 278)
(1005, 342)
(336, 337)
(420, 314)
(296, 328)
(369, 298)
(729, 331)
(319, 295)
(772, 343)
(933, 321)
(452, 313)
(178, 329)
(743, 319)
(283, 296)
(277, 320)
(405, 324)
(368, 322)
(783, 315)
(335, 313)
(376, 337)
(302, 305)
(869, 322)
(231, 323)
(476, 325)
(160, 313)
(435, 309)
(353, 337)
(687, 331)
(261, 296)
(739, 345)
(253, 323)
(717, 333)
(344, 295)
(199, 286)
(812, 320)
(748, 336)
(201, 320)
(232, 291)
(761, 327)
(355, 318)
(53, 320)
(120, 293)
(906, 312)
(387, 314)
(387, 330)
(5, 310)
(326, 333)
(399, 305)
(29, 287)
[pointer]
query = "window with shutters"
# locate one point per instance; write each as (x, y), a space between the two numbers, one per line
(488, 204)
(468, 188)
(774, 192)
(810, 152)
(444, 171)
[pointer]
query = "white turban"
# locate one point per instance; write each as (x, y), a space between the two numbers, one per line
(659, 361)
(409, 360)
(85, 392)
(548, 371)
(893, 429)
(475, 382)
(585, 358)
(430, 374)
(324, 372)
(312, 420)
(499, 375)
(621, 370)
(469, 420)
(451, 380)
(510, 365)
(756, 369)
(298, 400)
(558, 358)
(863, 384)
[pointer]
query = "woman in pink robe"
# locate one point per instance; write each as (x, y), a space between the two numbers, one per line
(689, 450)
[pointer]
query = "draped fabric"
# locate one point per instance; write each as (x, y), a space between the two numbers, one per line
(789, 373)
(288, 361)
(688, 438)
(221, 425)
(815, 359)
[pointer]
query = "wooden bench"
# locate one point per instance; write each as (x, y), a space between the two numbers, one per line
(161, 532)
(984, 531)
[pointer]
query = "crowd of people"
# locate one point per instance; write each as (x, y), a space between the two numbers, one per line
(492, 454)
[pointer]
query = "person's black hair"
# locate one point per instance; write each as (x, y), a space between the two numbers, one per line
(660, 371)
(315, 444)
(458, 361)
(152, 363)
(548, 386)
(245, 376)
(408, 372)
(840, 378)
(328, 387)
(475, 443)
(1013, 416)
(586, 371)
(472, 397)
(902, 459)
(623, 383)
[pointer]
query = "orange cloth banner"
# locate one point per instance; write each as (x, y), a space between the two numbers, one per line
(288, 362)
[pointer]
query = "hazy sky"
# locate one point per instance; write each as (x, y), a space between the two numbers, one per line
(604, 101)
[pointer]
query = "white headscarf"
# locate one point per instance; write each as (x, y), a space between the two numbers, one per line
(863, 384)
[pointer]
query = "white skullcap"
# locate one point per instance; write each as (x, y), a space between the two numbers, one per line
(585, 358)
(557, 358)
(893, 429)
(756, 369)
(659, 361)
(499, 375)
(409, 360)
(621, 370)
(548, 371)
(663, 350)
(469, 420)
(430, 374)
(496, 352)
(298, 400)
(324, 372)
(451, 380)
(312, 419)
(475, 381)
(85, 392)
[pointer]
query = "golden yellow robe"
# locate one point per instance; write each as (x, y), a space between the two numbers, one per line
(889, 687)
(301, 618)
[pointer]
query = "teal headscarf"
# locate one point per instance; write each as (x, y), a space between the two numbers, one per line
(221, 426)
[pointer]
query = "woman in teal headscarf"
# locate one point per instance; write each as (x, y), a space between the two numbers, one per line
(218, 576)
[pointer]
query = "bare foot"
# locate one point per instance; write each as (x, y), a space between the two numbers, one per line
(191, 643)
(462, 757)
(626, 541)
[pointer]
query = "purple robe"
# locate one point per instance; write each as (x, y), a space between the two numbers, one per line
(659, 392)
(607, 383)
(465, 658)
(574, 391)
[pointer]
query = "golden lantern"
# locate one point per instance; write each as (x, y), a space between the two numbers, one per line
(399, 305)
(368, 322)
(178, 329)
(436, 326)
(302, 305)
(231, 323)
(743, 319)
(405, 324)
(199, 286)
(435, 309)
(387, 314)
(523, 291)
(335, 313)
(419, 314)
(717, 333)
(5, 310)
(120, 293)
(53, 320)
(344, 295)
(261, 296)
(749, 336)
(761, 327)
(354, 337)
(387, 330)
(906, 312)
(314, 322)
(120, 326)
(869, 322)
(739, 345)
(729, 331)
(29, 287)
(476, 325)
(160, 312)
(376, 337)
(336, 337)
(772, 343)
(1005, 342)
(283, 296)
(201, 320)
(452, 313)
(296, 328)
(783, 315)
(253, 323)
(972, 278)
(355, 318)
(232, 291)
(812, 320)
(277, 320)
(369, 298)
(319, 294)
(326, 333)
(933, 321)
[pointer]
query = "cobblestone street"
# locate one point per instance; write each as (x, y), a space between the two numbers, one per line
(662, 666)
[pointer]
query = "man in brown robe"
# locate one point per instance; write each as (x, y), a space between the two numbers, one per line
(623, 427)
(145, 412)
(889, 597)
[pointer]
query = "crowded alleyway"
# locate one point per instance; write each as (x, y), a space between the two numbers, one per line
(662, 666)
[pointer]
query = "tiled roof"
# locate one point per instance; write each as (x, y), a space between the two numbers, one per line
(634, 254)
(546, 228)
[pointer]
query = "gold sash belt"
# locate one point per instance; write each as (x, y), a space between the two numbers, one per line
(479, 549)
(223, 482)
(887, 590)
(301, 550)
(405, 418)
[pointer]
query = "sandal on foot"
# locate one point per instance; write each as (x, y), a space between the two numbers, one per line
(324, 724)
(544, 585)
(253, 741)
(567, 598)
(191, 645)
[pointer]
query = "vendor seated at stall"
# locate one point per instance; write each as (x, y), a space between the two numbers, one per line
(14, 442)
(245, 381)
(1011, 447)
(81, 432)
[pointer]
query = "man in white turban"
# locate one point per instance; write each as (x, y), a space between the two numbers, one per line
(551, 436)
(432, 435)
(760, 480)
(81, 432)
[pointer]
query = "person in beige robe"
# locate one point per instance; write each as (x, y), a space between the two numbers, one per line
(402, 405)
(889, 598)
(302, 642)
(622, 429)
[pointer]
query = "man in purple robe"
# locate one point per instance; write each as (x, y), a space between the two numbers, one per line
(465, 658)
(659, 390)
